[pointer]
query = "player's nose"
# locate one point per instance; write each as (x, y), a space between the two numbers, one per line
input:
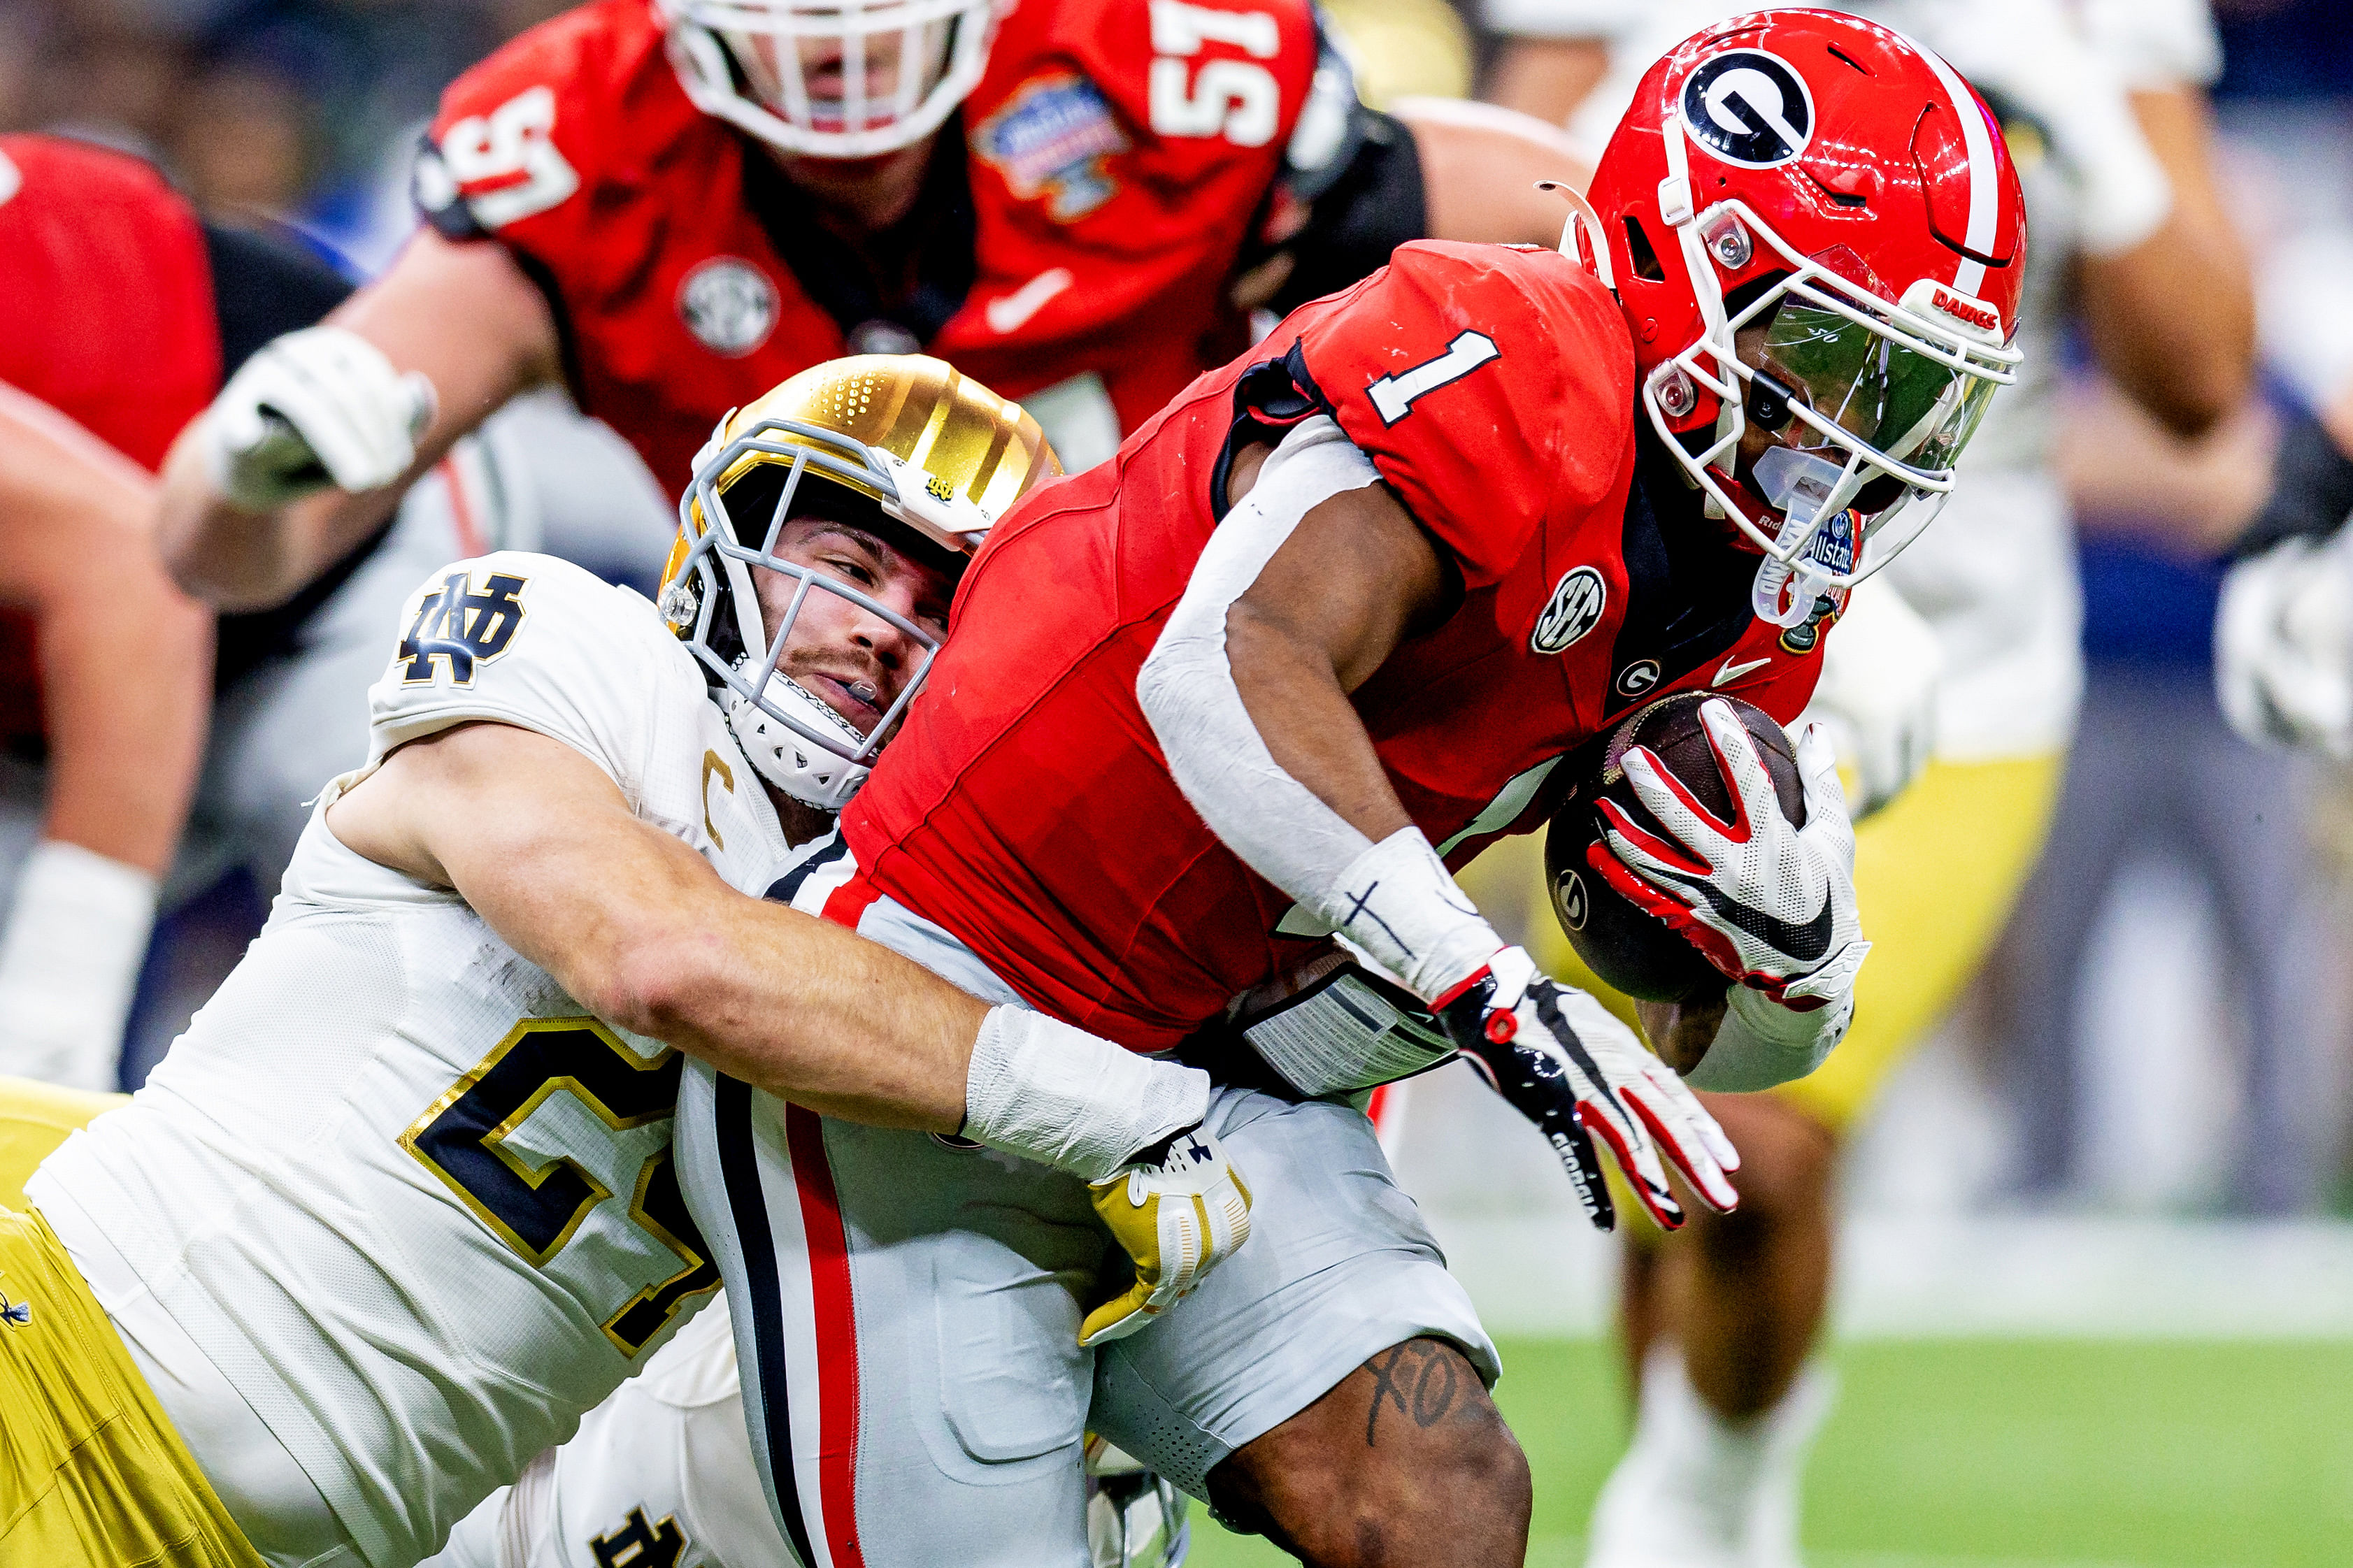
(889, 644)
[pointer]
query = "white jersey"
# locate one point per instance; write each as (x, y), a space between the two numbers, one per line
(412, 1203)
(1996, 576)
(661, 1474)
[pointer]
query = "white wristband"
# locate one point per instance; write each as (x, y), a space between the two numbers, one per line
(1046, 1091)
(1762, 1043)
(2123, 193)
(1397, 901)
(69, 964)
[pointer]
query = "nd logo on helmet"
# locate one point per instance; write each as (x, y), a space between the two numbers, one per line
(460, 626)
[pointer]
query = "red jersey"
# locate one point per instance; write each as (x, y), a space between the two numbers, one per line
(107, 316)
(1026, 807)
(1113, 165)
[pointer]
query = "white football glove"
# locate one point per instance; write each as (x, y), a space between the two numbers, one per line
(1177, 1209)
(2283, 645)
(1877, 696)
(1770, 904)
(314, 408)
(1564, 1063)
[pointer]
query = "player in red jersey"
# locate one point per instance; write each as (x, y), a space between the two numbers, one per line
(672, 211)
(1341, 615)
(109, 343)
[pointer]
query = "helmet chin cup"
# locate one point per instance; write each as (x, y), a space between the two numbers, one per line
(1802, 583)
(813, 775)
(1799, 486)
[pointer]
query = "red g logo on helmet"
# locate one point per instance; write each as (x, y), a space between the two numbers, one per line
(1749, 108)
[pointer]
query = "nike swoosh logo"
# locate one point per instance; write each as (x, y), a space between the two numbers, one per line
(1728, 671)
(1806, 943)
(1008, 312)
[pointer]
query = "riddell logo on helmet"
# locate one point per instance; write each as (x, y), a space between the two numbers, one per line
(1749, 108)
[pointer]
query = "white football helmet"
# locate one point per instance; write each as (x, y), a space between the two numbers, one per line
(916, 444)
(830, 78)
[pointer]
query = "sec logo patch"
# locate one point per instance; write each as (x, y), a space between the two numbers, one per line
(1574, 609)
(729, 305)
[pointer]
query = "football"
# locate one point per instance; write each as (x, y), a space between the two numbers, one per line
(1633, 950)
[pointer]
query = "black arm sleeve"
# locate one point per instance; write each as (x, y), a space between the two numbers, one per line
(2312, 490)
(263, 286)
(1375, 204)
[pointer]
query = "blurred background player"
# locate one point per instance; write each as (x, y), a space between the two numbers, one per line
(126, 312)
(2128, 237)
(1052, 203)
(108, 342)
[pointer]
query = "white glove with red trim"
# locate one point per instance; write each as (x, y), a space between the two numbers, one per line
(1564, 1063)
(1771, 904)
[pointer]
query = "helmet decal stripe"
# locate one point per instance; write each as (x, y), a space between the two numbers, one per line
(1985, 183)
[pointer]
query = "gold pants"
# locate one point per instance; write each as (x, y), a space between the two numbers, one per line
(92, 1473)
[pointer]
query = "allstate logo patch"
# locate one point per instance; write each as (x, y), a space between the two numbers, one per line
(1749, 108)
(1050, 139)
(729, 305)
(1574, 609)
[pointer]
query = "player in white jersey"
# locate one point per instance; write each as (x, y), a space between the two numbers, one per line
(400, 1207)
(2101, 106)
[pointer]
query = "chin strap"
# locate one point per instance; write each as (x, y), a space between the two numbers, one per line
(1581, 211)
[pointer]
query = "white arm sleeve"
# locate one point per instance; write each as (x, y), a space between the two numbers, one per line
(1762, 1043)
(1393, 897)
(535, 642)
(2158, 43)
(1186, 688)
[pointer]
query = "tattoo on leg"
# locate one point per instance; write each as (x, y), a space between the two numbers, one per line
(1420, 1376)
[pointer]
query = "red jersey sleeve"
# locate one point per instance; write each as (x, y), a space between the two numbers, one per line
(1492, 385)
(506, 155)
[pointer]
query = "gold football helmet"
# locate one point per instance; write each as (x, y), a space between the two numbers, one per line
(932, 460)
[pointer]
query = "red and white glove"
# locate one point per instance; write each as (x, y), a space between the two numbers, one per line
(1566, 1064)
(1769, 903)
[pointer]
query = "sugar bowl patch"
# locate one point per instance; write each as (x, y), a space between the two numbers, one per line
(1050, 139)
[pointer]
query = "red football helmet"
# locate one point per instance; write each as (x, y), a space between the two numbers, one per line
(1838, 198)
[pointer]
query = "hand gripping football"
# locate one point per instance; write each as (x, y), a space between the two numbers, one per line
(1633, 950)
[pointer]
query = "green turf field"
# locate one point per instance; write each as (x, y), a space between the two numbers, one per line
(2000, 1453)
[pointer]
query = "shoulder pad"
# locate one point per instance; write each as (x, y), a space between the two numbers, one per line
(517, 134)
(1201, 73)
(1489, 385)
(535, 642)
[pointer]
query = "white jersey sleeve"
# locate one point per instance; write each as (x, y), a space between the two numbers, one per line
(533, 641)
